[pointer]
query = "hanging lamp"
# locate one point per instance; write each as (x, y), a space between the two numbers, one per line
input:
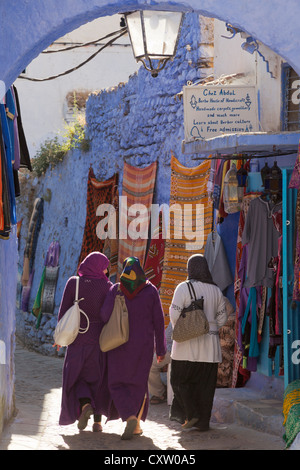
(154, 37)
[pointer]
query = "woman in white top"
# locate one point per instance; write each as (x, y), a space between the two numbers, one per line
(194, 364)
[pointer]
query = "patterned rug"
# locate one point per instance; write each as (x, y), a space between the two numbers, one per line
(138, 187)
(111, 245)
(155, 257)
(188, 186)
(98, 192)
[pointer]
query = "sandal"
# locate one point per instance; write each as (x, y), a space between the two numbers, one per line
(84, 417)
(190, 424)
(158, 400)
(129, 430)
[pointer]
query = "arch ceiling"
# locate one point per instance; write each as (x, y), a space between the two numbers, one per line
(28, 27)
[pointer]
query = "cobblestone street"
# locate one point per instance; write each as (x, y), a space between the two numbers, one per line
(35, 426)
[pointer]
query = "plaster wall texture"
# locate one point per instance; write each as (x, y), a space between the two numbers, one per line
(137, 122)
(44, 104)
(273, 22)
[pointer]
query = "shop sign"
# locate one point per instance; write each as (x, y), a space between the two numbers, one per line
(210, 111)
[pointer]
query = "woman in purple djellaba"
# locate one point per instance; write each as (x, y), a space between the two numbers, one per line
(84, 364)
(128, 365)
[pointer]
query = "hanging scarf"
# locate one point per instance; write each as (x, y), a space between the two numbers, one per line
(133, 278)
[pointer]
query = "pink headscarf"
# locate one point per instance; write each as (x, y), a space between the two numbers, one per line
(93, 266)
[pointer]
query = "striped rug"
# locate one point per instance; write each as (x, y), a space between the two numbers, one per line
(98, 192)
(138, 186)
(188, 186)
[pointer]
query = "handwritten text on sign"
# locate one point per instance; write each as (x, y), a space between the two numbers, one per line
(214, 110)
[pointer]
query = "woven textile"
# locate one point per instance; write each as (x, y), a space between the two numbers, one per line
(98, 192)
(111, 245)
(238, 355)
(291, 411)
(138, 187)
(155, 257)
(188, 186)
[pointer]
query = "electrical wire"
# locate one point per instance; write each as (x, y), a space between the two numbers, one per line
(78, 66)
(84, 44)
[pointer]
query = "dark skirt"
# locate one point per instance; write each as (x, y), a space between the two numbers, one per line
(194, 385)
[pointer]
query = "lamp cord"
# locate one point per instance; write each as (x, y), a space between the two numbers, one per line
(77, 66)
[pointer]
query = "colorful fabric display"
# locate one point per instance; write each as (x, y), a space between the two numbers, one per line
(98, 192)
(138, 187)
(188, 186)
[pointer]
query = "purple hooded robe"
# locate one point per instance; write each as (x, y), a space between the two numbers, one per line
(128, 365)
(84, 363)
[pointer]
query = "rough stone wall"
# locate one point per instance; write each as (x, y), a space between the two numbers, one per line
(139, 122)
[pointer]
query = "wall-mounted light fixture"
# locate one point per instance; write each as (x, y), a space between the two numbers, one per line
(154, 37)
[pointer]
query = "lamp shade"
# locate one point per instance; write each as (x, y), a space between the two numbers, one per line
(154, 36)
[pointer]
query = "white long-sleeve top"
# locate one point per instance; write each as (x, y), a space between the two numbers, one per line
(205, 348)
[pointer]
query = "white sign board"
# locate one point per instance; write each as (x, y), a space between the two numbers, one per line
(210, 111)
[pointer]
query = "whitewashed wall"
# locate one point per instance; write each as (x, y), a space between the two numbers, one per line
(43, 103)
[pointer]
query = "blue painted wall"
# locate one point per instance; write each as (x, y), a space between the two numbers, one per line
(138, 122)
(26, 30)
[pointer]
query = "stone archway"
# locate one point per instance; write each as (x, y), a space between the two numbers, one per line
(26, 31)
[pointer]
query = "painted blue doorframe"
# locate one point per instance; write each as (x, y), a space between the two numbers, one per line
(291, 310)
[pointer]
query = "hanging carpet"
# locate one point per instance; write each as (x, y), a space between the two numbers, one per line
(31, 243)
(188, 186)
(98, 192)
(111, 245)
(138, 188)
(155, 256)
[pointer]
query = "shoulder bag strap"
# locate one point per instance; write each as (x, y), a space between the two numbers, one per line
(190, 286)
(77, 289)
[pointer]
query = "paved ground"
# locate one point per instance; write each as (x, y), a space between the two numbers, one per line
(35, 426)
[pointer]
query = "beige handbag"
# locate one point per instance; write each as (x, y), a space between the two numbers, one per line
(68, 327)
(116, 331)
(192, 321)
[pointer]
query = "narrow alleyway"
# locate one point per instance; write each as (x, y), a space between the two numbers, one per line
(35, 426)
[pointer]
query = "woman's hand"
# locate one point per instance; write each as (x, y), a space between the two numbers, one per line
(160, 359)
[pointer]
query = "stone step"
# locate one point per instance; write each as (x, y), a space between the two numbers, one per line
(250, 409)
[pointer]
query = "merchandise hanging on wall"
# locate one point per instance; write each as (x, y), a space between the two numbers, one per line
(98, 193)
(138, 187)
(13, 155)
(111, 244)
(295, 184)
(258, 270)
(155, 256)
(188, 187)
(240, 375)
(30, 249)
(44, 301)
(217, 260)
